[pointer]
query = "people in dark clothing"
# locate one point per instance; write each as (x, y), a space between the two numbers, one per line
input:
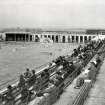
(9, 96)
(58, 79)
(98, 60)
(43, 74)
(21, 81)
(65, 63)
(32, 78)
(25, 94)
(2, 97)
(59, 60)
(46, 73)
(27, 74)
(71, 67)
(75, 52)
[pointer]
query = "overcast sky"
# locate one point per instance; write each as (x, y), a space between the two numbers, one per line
(52, 13)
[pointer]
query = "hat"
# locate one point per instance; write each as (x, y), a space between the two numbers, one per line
(9, 87)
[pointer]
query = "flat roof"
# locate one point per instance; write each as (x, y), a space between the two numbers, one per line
(16, 32)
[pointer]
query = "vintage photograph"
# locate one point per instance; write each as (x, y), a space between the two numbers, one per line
(52, 52)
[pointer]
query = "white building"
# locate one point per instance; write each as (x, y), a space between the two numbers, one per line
(73, 35)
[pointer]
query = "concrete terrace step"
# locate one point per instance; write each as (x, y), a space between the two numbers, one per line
(97, 93)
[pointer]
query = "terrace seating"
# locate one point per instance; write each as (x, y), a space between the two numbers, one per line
(60, 77)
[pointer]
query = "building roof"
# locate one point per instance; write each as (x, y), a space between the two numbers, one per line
(57, 31)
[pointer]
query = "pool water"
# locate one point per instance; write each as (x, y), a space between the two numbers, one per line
(16, 57)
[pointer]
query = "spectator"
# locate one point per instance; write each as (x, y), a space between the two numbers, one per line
(9, 96)
(75, 52)
(21, 81)
(42, 74)
(65, 63)
(58, 79)
(92, 73)
(49, 87)
(46, 73)
(71, 67)
(98, 60)
(32, 80)
(79, 82)
(1, 98)
(39, 93)
(27, 74)
(26, 94)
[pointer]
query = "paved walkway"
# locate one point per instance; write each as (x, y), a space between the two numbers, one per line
(68, 95)
(97, 93)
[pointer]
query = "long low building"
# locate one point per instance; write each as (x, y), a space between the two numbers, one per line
(78, 36)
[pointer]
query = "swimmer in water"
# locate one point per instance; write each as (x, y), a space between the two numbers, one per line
(50, 53)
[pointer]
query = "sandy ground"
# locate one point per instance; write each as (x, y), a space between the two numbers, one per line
(16, 57)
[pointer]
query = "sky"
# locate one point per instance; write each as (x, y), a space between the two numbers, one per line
(52, 13)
